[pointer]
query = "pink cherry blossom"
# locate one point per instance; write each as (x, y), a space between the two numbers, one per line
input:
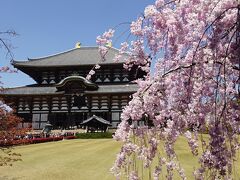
(193, 89)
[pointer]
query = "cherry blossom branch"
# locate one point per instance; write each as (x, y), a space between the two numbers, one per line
(167, 3)
(207, 28)
(224, 73)
(191, 86)
(178, 68)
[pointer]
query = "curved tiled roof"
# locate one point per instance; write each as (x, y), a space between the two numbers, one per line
(77, 56)
(52, 90)
(99, 119)
(77, 78)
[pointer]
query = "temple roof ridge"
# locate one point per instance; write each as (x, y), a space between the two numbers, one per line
(62, 52)
(86, 55)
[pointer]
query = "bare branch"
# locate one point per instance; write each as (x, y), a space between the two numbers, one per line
(4, 43)
(6, 46)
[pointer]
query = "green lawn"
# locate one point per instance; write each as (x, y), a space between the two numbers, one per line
(75, 159)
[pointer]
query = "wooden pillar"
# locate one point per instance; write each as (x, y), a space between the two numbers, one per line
(89, 103)
(119, 101)
(57, 78)
(40, 103)
(111, 75)
(49, 102)
(69, 103)
(99, 102)
(109, 108)
(59, 103)
(102, 75)
(17, 105)
(121, 75)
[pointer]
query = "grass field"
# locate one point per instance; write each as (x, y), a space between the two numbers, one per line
(76, 159)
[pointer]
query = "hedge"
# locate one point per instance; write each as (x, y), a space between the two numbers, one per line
(96, 135)
(70, 137)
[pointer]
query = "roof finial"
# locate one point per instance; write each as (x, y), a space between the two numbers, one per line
(109, 44)
(78, 45)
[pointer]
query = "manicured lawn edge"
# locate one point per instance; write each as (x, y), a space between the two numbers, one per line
(96, 135)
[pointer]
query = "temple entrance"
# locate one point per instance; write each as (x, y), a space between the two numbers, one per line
(96, 124)
(72, 120)
(67, 120)
(103, 115)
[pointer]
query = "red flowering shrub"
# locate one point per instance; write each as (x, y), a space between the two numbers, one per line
(48, 139)
(34, 141)
(8, 134)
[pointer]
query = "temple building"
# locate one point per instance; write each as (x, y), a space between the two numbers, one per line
(63, 97)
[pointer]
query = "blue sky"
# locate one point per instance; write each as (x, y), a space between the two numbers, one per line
(48, 27)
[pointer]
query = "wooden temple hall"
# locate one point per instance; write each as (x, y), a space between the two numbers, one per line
(63, 97)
